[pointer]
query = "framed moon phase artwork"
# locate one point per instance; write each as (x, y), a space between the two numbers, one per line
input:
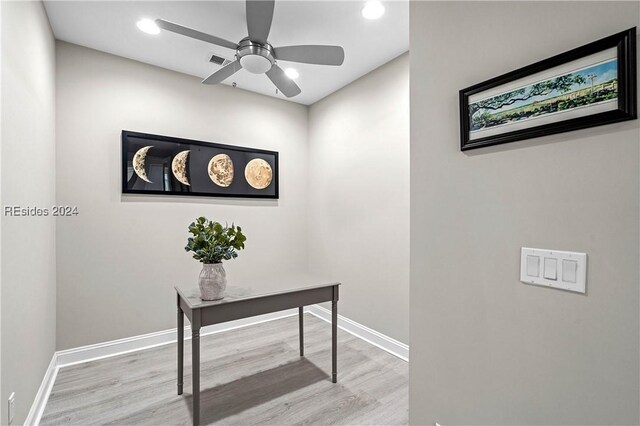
(153, 164)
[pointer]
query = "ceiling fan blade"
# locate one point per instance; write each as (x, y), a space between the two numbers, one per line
(189, 32)
(223, 73)
(259, 17)
(282, 82)
(311, 54)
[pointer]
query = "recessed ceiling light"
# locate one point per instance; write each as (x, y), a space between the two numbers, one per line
(373, 9)
(291, 73)
(148, 26)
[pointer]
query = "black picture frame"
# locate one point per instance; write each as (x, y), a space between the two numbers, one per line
(625, 47)
(201, 152)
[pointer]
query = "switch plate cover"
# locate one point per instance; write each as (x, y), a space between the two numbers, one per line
(573, 279)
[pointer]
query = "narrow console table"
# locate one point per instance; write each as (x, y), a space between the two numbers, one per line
(242, 303)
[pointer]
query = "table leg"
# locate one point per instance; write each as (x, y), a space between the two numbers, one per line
(180, 347)
(334, 341)
(195, 371)
(300, 320)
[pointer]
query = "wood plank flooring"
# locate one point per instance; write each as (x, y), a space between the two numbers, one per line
(252, 375)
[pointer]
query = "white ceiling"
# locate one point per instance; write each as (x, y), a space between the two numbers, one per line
(110, 26)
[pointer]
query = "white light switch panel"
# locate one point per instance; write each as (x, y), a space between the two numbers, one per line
(557, 269)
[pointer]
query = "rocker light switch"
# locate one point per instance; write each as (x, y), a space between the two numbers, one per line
(569, 269)
(533, 266)
(564, 270)
(550, 268)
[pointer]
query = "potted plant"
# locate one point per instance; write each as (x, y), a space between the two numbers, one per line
(211, 244)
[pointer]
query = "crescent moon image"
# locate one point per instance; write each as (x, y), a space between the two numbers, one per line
(138, 163)
(258, 173)
(179, 167)
(221, 170)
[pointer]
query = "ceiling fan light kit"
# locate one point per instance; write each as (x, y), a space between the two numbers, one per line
(255, 54)
(255, 57)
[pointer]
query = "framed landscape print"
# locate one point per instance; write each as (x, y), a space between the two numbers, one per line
(153, 164)
(589, 86)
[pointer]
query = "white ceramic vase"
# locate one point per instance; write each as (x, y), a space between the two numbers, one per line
(212, 282)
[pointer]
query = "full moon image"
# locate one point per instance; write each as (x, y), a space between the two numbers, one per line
(221, 170)
(258, 173)
(179, 167)
(138, 163)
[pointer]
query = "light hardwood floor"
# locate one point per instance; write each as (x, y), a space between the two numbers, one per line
(252, 375)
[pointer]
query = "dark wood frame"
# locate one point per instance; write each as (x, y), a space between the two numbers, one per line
(125, 190)
(625, 42)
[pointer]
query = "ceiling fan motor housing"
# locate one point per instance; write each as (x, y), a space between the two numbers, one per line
(255, 57)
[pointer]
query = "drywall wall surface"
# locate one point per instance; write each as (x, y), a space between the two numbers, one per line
(485, 348)
(359, 197)
(2, 412)
(121, 255)
(28, 180)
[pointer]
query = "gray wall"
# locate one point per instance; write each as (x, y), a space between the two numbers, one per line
(121, 256)
(28, 179)
(486, 349)
(359, 196)
(2, 412)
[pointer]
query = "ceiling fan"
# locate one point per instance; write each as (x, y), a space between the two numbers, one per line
(255, 54)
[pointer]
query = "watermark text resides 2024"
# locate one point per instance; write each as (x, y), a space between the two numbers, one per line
(34, 211)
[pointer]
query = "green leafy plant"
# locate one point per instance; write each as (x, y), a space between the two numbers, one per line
(212, 242)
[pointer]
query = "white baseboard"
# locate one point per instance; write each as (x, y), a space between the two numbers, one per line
(40, 401)
(98, 351)
(146, 341)
(380, 340)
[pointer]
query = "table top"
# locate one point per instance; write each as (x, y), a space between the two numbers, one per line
(191, 294)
